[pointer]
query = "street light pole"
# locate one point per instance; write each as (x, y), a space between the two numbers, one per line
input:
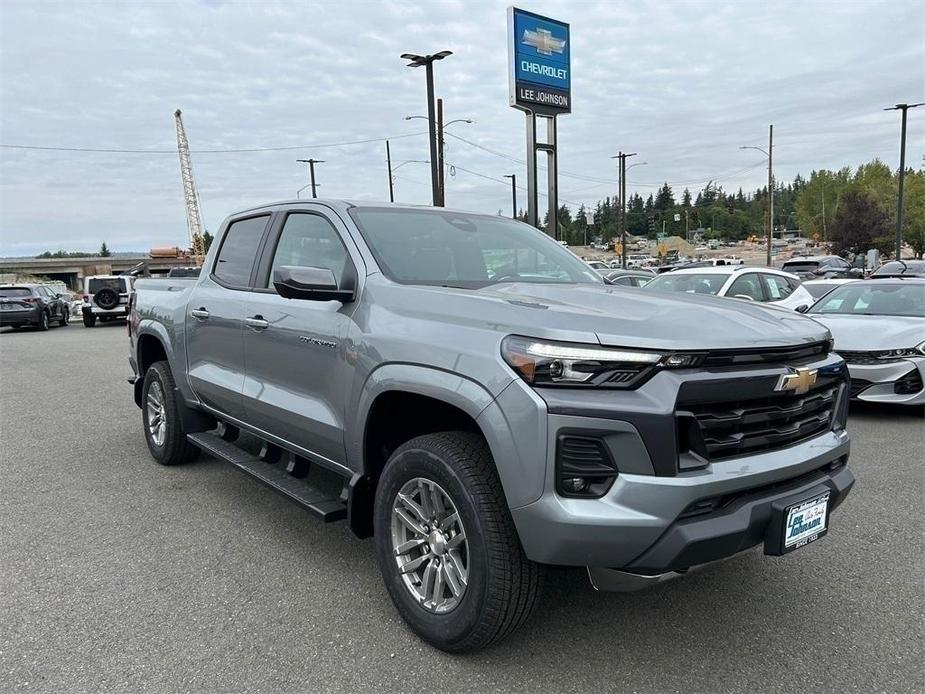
(441, 146)
(311, 168)
(902, 174)
(770, 193)
(427, 61)
(769, 154)
(388, 161)
(513, 178)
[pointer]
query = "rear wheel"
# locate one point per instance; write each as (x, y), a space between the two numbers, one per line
(89, 320)
(43, 321)
(160, 414)
(446, 544)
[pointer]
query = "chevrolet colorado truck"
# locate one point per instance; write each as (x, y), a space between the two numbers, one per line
(486, 406)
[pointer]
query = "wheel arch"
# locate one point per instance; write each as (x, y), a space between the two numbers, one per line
(397, 403)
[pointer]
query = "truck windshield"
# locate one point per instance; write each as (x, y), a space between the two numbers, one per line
(465, 250)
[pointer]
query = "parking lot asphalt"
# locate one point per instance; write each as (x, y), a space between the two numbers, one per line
(119, 575)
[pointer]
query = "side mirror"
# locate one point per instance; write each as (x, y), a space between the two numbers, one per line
(802, 309)
(312, 284)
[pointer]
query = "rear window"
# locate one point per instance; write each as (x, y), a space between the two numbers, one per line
(239, 250)
(800, 267)
(691, 284)
(97, 283)
(12, 292)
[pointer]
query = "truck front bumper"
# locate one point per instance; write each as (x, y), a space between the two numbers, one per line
(651, 525)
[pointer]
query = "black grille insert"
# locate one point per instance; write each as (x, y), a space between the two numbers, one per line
(859, 385)
(767, 355)
(909, 384)
(713, 431)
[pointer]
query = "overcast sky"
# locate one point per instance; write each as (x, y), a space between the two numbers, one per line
(682, 83)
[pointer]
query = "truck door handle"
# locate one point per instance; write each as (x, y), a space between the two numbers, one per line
(199, 313)
(256, 322)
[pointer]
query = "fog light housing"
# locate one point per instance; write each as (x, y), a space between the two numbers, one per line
(584, 466)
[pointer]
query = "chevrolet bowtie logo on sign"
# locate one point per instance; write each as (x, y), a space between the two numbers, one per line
(799, 382)
(543, 41)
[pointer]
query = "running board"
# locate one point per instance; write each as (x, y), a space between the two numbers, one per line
(318, 503)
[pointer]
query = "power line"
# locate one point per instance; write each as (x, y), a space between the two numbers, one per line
(50, 148)
(607, 181)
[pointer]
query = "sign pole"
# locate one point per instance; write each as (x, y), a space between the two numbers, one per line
(552, 177)
(531, 170)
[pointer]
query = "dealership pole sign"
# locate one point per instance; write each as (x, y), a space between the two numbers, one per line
(540, 79)
(539, 55)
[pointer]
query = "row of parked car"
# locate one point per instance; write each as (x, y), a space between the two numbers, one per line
(878, 326)
(39, 306)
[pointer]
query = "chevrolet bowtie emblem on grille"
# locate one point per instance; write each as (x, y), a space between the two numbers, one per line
(543, 41)
(799, 382)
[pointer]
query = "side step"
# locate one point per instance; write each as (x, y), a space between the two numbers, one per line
(320, 504)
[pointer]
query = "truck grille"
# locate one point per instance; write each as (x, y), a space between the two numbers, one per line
(713, 431)
(768, 355)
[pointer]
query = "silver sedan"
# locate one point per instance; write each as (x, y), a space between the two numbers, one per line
(879, 329)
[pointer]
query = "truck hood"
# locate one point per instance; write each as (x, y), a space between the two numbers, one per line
(873, 333)
(617, 316)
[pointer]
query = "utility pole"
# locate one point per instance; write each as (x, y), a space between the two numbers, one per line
(513, 178)
(824, 235)
(621, 188)
(427, 61)
(441, 170)
(902, 174)
(388, 161)
(311, 169)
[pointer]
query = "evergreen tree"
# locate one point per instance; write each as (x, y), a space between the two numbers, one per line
(104, 251)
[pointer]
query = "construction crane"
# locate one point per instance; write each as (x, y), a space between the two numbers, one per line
(190, 194)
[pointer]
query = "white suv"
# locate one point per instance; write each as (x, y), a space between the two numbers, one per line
(750, 283)
(105, 298)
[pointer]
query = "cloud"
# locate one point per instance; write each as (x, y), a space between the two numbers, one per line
(683, 84)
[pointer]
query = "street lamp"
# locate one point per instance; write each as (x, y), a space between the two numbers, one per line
(441, 147)
(769, 154)
(622, 156)
(902, 174)
(427, 61)
(513, 178)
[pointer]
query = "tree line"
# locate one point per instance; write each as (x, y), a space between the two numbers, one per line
(852, 210)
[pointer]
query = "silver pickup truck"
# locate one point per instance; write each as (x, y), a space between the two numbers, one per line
(471, 395)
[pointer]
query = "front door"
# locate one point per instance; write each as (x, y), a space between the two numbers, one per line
(215, 318)
(297, 375)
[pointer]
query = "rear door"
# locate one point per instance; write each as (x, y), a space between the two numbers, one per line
(298, 373)
(215, 317)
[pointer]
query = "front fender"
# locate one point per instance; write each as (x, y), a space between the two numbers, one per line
(521, 463)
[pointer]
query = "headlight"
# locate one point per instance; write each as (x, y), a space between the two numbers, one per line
(917, 351)
(542, 363)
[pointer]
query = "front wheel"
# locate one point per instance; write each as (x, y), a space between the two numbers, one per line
(160, 414)
(65, 318)
(446, 544)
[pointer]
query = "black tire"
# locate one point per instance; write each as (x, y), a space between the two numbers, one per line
(503, 585)
(89, 320)
(175, 449)
(43, 322)
(106, 298)
(65, 318)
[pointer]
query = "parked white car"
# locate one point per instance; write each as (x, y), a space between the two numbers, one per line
(879, 329)
(763, 284)
(105, 298)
